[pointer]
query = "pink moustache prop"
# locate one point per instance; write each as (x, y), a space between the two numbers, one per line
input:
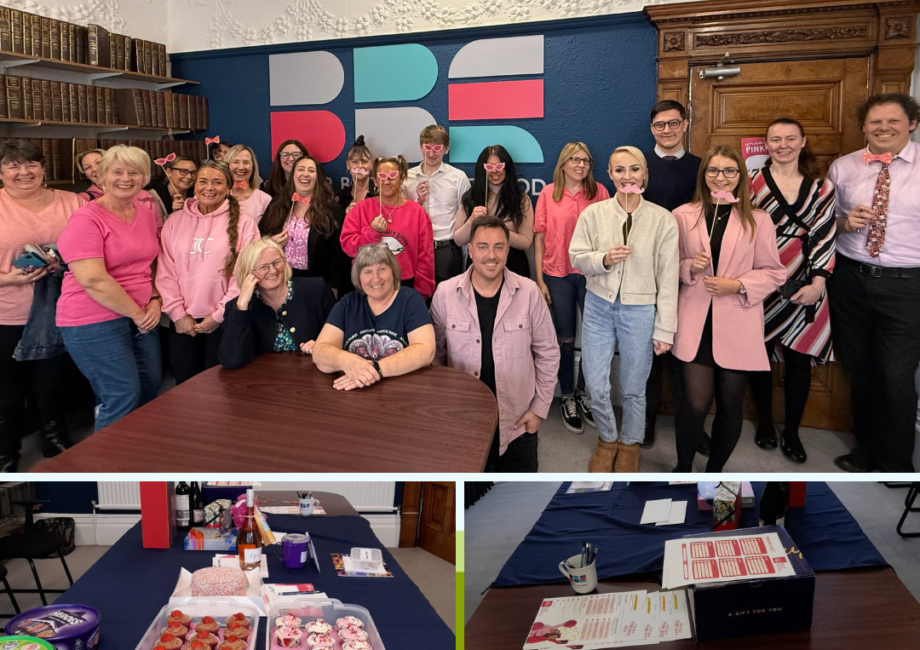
(632, 189)
(724, 195)
(359, 172)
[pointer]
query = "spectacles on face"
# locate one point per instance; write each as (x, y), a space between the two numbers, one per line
(290, 155)
(576, 160)
(497, 167)
(433, 147)
(184, 173)
(385, 175)
(671, 124)
(728, 172)
(265, 268)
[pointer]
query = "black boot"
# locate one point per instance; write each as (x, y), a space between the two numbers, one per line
(649, 431)
(9, 447)
(792, 447)
(766, 436)
(54, 438)
(704, 445)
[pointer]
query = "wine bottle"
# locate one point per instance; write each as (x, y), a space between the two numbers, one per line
(249, 542)
(183, 512)
(772, 505)
(196, 505)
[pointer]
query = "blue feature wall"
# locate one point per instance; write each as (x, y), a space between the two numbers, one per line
(599, 84)
(67, 497)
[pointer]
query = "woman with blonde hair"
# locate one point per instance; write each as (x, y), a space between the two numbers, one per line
(728, 264)
(627, 249)
(195, 274)
(563, 287)
(246, 180)
(274, 312)
(109, 308)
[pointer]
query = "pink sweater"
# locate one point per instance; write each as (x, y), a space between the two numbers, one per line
(193, 251)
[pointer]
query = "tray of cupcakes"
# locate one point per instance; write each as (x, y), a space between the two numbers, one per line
(206, 624)
(321, 624)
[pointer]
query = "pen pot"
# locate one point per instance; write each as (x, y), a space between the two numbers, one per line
(582, 579)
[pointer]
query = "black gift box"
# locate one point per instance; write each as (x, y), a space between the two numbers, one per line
(723, 610)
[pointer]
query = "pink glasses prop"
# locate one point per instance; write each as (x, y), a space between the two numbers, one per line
(385, 175)
(433, 147)
(497, 167)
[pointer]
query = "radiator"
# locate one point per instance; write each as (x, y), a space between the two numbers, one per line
(365, 496)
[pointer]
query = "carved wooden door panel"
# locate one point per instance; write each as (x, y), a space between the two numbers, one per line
(438, 529)
(822, 95)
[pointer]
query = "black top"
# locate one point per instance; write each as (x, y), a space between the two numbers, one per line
(345, 198)
(671, 183)
(161, 187)
(325, 257)
(377, 336)
(487, 308)
(250, 333)
(717, 232)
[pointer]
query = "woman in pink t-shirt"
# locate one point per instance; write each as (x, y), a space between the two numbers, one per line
(109, 308)
(558, 208)
(199, 246)
(246, 180)
(29, 214)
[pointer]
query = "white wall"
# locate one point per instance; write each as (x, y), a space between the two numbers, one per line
(145, 19)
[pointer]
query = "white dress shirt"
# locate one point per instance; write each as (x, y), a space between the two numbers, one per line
(446, 188)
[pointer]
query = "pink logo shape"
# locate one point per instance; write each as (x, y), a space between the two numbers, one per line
(724, 195)
(631, 189)
(494, 100)
(321, 132)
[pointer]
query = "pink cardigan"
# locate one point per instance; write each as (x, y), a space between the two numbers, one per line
(737, 320)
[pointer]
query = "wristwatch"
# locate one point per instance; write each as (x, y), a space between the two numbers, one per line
(377, 368)
(742, 290)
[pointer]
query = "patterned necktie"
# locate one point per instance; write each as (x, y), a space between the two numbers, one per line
(876, 241)
(670, 158)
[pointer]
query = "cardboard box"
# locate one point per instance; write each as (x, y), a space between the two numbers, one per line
(211, 539)
(182, 594)
(158, 515)
(724, 610)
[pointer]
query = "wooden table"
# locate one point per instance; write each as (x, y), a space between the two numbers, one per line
(334, 504)
(854, 608)
(281, 414)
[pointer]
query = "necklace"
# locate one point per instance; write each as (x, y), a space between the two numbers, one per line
(389, 214)
(715, 219)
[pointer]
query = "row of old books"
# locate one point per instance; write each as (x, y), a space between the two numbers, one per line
(50, 38)
(60, 101)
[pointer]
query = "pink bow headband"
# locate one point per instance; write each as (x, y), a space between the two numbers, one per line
(162, 162)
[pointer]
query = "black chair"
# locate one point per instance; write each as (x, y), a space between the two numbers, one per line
(9, 592)
(912, 493)
(30, 545)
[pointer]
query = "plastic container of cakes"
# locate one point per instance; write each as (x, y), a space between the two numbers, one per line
(321, 624)
(177, 627)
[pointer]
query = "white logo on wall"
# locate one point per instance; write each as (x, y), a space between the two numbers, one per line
(532, 187)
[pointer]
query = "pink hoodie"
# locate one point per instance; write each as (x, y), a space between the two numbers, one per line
(193, 250)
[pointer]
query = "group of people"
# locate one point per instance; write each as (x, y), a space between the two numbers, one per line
(693, 262)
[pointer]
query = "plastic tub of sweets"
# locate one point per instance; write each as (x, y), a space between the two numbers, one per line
(197, 608)
(23, 643)
(64, 627)
(309, 609)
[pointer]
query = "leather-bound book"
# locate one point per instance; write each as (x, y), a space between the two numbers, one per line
(26, 33)
(74, 102)
(38, 104)
(81, 104)
(161, 52)
(183, 112)
(65, 42)
(100, 105)
(109, 106)
(6, 30)
(57, 160)
(57, 102)
(148, 57)
(126, 53)
(47, 100)
(98, 46)
(16, 30)
(113, 51)
(25, 93)
(91, 116)
(55, 42)
(81, 38)
(161, 111)
(13, 96)
(46, 36)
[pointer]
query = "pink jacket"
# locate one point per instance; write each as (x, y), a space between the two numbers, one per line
(524, 345)
(737, 320)
(193, 251)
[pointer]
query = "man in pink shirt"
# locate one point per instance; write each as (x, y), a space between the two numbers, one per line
(495, 325)
(875, 288)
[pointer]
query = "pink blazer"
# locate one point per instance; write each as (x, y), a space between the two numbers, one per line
(737, 320)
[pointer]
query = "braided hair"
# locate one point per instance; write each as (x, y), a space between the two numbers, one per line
(233, 232)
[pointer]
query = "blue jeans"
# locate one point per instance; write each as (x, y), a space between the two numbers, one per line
(122, 365)
(604, 326)
(568, 296)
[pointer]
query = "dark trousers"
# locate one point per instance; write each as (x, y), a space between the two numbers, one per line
(519, 457)
(448, 262)
(876, 328)
(653, 386)
(43, 381)
(568, 300)
(190, 355)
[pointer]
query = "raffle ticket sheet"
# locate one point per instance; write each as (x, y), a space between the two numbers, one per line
(699, 560)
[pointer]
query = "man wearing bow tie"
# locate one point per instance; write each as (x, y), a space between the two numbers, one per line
(875, 288)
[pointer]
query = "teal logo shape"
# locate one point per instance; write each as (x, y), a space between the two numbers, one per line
(394, 73)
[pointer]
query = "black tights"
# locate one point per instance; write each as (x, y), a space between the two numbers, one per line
(701, 384)
(797, 384)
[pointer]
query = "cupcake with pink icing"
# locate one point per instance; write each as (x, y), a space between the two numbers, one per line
(357, 645)
(319, 626)
(288, 636)
(320, 641)
(348, 621)
(288, 620)
(352, 633)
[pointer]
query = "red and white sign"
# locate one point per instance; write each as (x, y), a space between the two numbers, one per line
(754, 152)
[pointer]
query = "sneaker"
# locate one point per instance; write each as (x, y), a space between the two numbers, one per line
(570, 415)
(584, 405)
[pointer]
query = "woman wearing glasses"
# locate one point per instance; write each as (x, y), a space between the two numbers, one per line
(306, 221)
(728, 265)
(198, 250)
(178, 184)
(496, 177)
(563, 287)
(399, 223)
(273, 312)
(246, 181)
(288, 153)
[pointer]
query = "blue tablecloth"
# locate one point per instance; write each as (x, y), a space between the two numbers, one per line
(130, 584)
(824, 531)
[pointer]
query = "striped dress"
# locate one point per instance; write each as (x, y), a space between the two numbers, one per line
(783, 320)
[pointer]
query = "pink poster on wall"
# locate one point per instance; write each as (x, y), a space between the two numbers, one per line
(754, 152)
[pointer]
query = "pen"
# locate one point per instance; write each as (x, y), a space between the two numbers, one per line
(584, 554)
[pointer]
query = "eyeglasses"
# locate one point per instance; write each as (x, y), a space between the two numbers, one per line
(728, 172)
(672, 124)
(497, 167)
(385, 175)
(184, 172)
(264, 268)
(580, 161)
(433, 147)
(290, 155)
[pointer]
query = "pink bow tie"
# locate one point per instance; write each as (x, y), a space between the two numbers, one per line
(728, 197)
(214, 140)
(303, 199)
(884, 158)
(240, 185)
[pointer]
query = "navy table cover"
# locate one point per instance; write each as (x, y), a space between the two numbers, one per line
(130, 584)
(824, 532)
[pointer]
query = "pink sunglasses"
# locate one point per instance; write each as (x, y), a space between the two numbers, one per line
(385, 175)
(497, 167)
(433, 147)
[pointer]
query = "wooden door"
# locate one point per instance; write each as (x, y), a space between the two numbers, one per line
(438, 529)
(822, 94)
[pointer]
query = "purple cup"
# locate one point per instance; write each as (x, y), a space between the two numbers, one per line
(66, 627)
